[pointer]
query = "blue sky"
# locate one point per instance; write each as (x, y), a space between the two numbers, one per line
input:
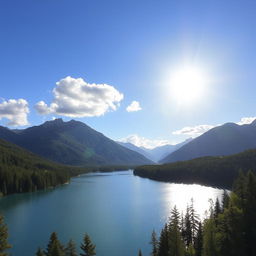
(132, 47)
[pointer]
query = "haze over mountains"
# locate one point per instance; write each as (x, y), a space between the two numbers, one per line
(156, 153)
(72, 143)
(226, 139)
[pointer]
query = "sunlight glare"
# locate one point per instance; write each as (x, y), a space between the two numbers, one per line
(188, 84)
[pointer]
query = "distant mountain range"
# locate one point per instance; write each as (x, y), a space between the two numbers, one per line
(156, 153)
(75, 143)
(226, 139)
(159, 153)
(72, 143)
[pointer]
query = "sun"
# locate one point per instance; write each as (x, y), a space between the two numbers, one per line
(188, 84)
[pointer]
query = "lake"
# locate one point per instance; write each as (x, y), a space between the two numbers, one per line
(118, 210)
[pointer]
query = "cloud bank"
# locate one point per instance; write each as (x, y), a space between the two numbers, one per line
(246, 120)
(198, 130)
(134, 106)
(144, 142)
(15, 111)
(194, 131)
(73, 97)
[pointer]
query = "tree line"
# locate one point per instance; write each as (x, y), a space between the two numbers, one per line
(218, 171)
(55, 248)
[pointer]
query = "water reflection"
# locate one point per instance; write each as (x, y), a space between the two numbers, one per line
(182, 194)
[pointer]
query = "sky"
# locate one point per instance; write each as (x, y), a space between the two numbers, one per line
(149, 72)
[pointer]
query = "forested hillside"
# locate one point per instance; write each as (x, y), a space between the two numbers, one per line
(216, 171)
(22, 171)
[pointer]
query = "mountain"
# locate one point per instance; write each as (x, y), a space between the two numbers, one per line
(156, 153)
(226, 139)
(220, 171)
(159, 153)
(140, 150)
(72, 143)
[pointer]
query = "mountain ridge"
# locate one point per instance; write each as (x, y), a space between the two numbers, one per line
(227, 139)
(72, 143)
(157, 153)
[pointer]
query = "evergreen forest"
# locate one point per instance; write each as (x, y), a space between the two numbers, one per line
(218, 171)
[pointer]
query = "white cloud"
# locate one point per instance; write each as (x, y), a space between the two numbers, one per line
(15, 111)
(74, 97)
(134, 106)
(198, 130)
(246, 120)
(194, 131)
(42, 108)
(144, 142)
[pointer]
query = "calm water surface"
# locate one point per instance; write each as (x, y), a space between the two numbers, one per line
(118, 210)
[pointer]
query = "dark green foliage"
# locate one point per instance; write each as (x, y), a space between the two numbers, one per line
(154, 243)
(72, 143)
(140, 253)
(175, 243)
(225, 200)
(87, 247)
(40, 252)
(209, 238)
(54, 247)
(215, 171)
(22, 171)
(164, 242)
(187, 231)
(198, 244)
(217, 208)
(190, 226)
(249, 210)
(4, 245)
(70, 250)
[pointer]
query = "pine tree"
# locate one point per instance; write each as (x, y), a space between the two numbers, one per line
(194, 220)
(70, 250)
(239, 185)
(54, 247)
(225, 200)
(230, 232)
(198, 244)
(209, 242)
(187, 232)
(163, 242)
(4, 245)
(140, 253)
(40, 252)
(154, 243)
(217, 208)
(176, 245)
(87, 246)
